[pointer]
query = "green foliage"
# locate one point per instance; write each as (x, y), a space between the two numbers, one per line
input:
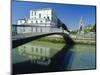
(52, 39)
(74, 32)
(91, 29)
(94, 28)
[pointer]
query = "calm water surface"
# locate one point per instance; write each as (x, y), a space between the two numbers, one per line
(39, 56)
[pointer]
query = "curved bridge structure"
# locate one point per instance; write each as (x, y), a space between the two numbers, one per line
(20, 39)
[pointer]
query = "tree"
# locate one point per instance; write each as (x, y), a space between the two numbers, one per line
(91, 29)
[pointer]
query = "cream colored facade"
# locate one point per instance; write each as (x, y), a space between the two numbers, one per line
(40, 20)
(40, 17)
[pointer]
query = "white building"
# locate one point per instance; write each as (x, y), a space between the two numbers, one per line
(40, 20)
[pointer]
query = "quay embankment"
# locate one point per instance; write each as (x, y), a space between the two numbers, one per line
(59, 39)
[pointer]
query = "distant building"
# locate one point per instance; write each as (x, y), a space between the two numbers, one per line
(81, 25)
(14, 30)
(88, 27)
(40, 20)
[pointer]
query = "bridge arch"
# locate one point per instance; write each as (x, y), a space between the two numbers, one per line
(18, 42)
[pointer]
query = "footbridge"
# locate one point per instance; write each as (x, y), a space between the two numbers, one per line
(23, 38)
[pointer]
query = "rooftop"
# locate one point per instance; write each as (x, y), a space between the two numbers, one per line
(42, 9)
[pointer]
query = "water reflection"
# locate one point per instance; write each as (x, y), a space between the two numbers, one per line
(36, 54)
(39, 57)
(31, 58)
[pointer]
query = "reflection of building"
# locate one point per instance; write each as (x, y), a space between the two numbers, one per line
(39, 55)
(40, 20)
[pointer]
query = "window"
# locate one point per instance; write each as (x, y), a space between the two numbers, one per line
(39, 15)
(44, 17)
(36, 21)
(32, 49)
(35, 13)
(36, 49)
(41, 21)
(31, 21)
(48, 17)
(41, 50)
(32, 13)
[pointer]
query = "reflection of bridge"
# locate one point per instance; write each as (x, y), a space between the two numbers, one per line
(20, 39)
(58, 62)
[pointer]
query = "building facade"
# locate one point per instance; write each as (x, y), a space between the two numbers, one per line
(40, 20)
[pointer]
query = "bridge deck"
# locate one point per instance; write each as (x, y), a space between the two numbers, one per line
(27, 37)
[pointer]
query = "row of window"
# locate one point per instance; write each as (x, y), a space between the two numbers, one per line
(39, 15)
(41, 50)
(37, 22)
(34, 30)
(41, 21)
(44, 17)
(35, 14)
(37, 49)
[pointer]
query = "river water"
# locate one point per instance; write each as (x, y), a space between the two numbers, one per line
(39, 56)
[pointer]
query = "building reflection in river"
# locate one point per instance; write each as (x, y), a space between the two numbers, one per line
(39, 55)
